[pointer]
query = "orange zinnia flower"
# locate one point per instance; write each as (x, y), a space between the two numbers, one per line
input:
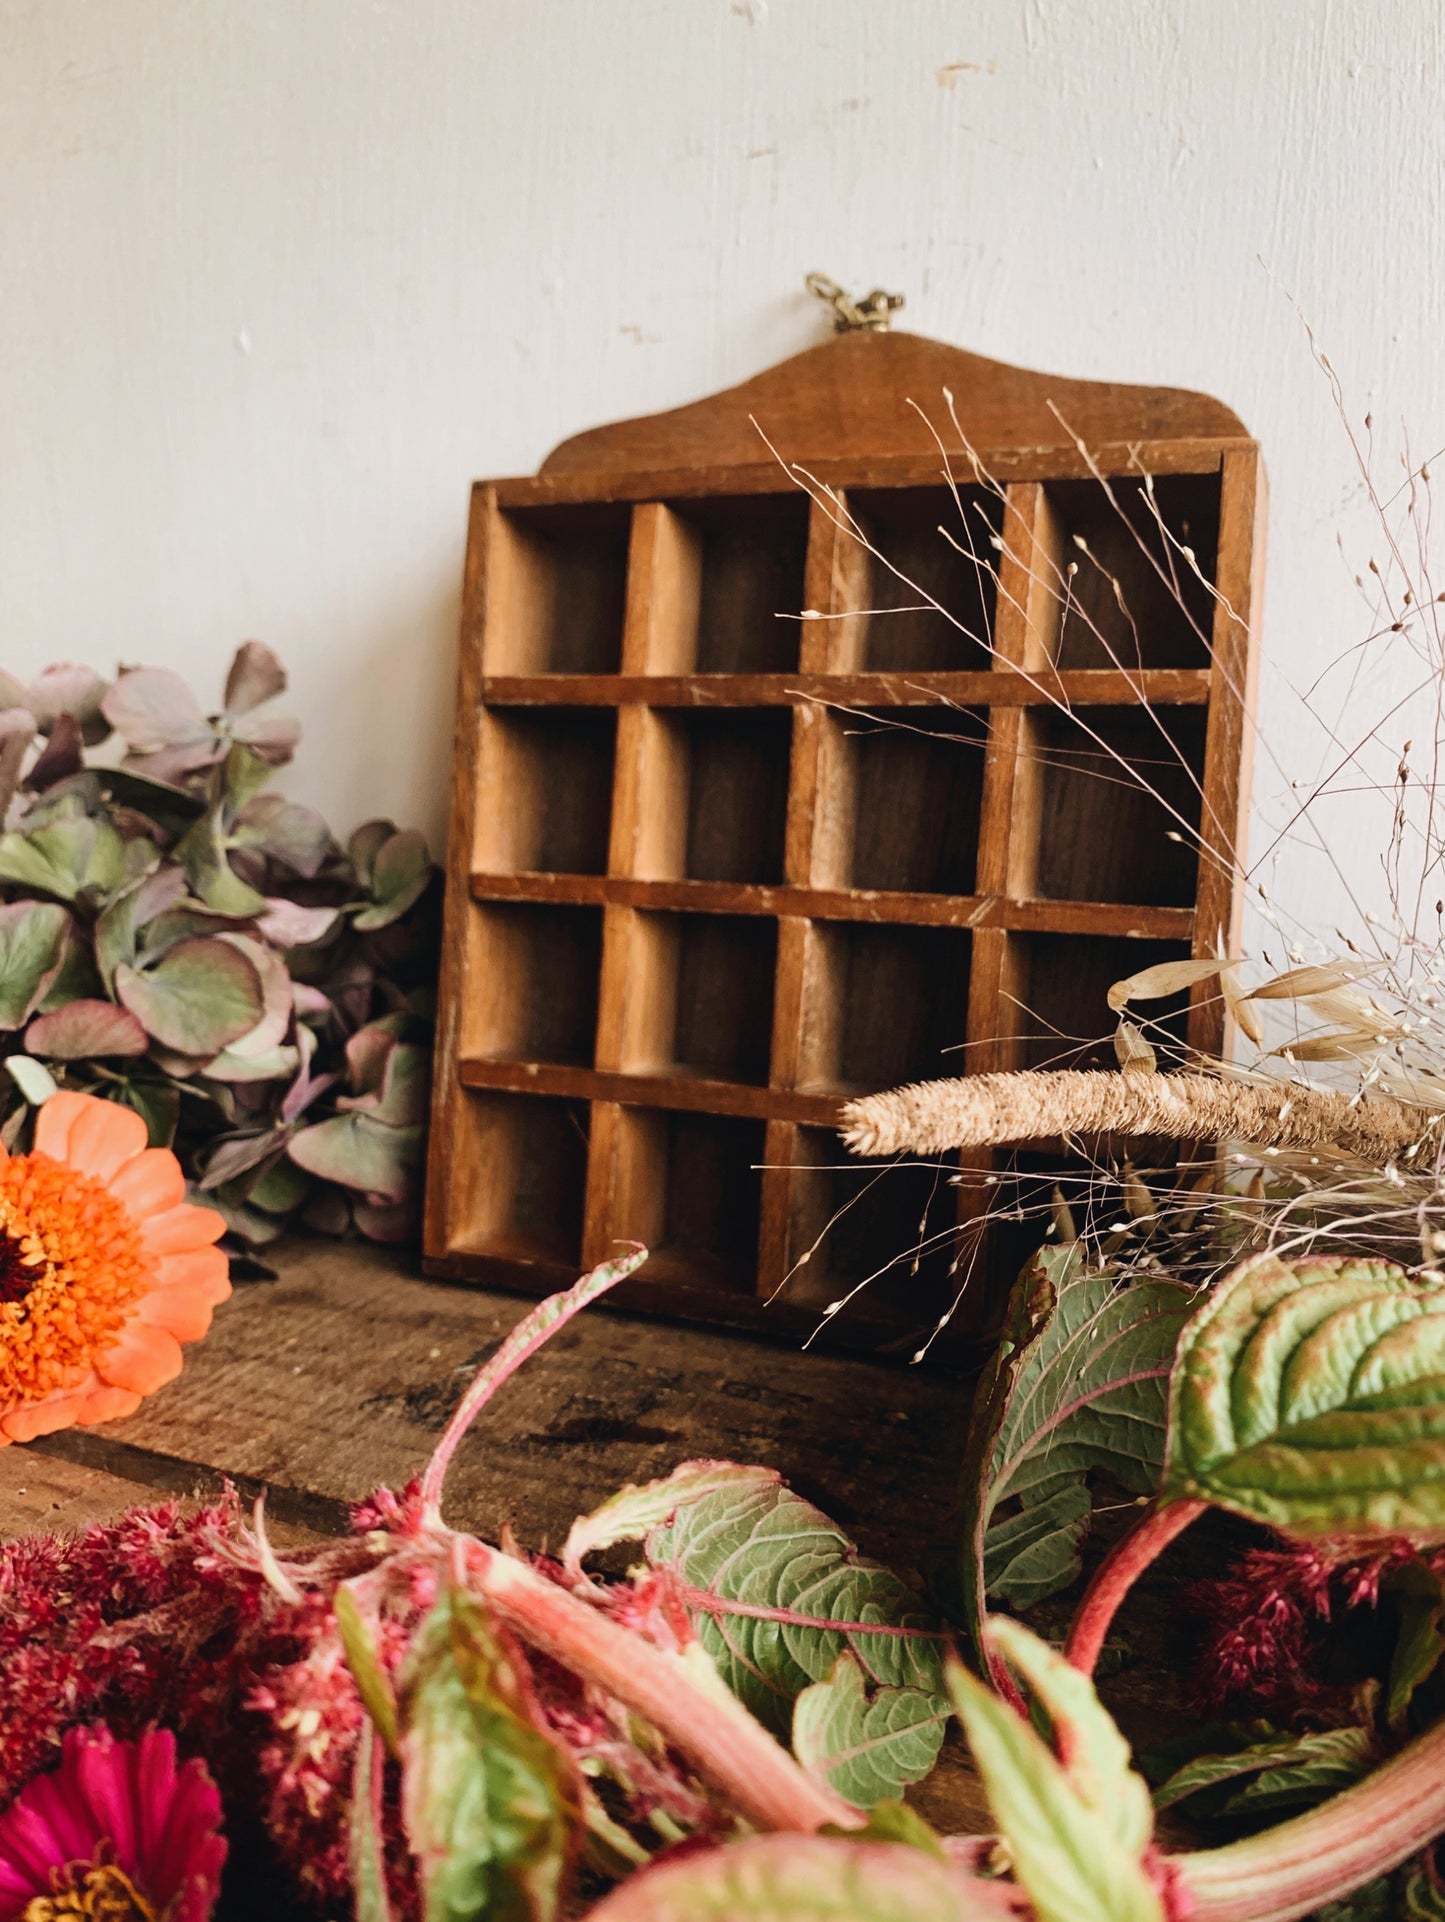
(105, 1269)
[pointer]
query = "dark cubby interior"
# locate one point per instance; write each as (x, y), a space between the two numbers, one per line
(538, 973)
(530, 1183)
(1167, 611)
(568, 577)
(725, 969)
(706, 1169)
(1063, 1016)
(931, 593)
(912, 791)
(884, 1005)
(737, 793)
(1104, 833)
(889, 1225)
(546, 790)
(754, 554)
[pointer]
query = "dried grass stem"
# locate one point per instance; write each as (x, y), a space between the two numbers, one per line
(991, 1110)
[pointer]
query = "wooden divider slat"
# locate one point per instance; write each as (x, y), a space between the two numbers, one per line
(685, 1093)
(1228, 742)
(1128, 922)
(1077, 687)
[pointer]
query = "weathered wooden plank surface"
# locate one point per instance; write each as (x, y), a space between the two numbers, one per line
(43, 1493)
(340, 1375)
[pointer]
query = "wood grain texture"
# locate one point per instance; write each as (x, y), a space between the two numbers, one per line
(340, 1376)
(841, 399)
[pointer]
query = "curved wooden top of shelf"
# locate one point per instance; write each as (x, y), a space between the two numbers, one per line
(849, 397)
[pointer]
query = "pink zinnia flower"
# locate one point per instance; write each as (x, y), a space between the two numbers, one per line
(116, 1831)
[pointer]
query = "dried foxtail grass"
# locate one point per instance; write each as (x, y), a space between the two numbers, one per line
(1001, 1110)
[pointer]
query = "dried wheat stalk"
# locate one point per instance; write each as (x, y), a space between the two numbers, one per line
(990, 1110)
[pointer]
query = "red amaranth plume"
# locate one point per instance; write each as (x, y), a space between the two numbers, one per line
(1267, 1618)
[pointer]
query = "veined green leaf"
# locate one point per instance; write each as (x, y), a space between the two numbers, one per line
(490, 1802)
(1079, 1381)
(784, 1878)
(756, 1543)
(1311, 1396)
(1074, 1833)
(1287, 1769)
(868, 1748)
(631, 1514)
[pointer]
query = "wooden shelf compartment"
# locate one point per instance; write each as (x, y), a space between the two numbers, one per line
(1121, 590)
(544, 791)
(901, 794)
(521, 1161)
(689, 996)
(558, 581)
(688, 1185)
(718, 586)
(884, 1229)
(710, 795)
(538, 969)
(921, 590)
(881, 1005)
(1055, 1011)
(1120, 796)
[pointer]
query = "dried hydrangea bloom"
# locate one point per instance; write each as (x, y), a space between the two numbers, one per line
(105, 1269)
(117, 1831)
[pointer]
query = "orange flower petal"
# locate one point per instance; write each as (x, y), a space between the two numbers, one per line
(103, 1138)
(150, 1184)
(105, 1403)
(183, 1312)
(141, 1359)
(56, 1118)
(181, 1229)
(204, 1269)
(34, 1418)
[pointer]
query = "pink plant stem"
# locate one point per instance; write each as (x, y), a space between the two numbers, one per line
(525, 1339)
(689, 1706)
(1363, 1832)
(1117, 1574)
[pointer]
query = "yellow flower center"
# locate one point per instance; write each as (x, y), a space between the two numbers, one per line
(71, 1266)
(90, 1892)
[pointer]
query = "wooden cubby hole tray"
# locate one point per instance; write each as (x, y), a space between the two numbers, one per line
(744, 824)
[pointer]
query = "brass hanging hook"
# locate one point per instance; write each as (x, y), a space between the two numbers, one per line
(872, 314)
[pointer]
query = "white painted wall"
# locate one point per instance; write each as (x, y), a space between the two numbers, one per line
(281, 276)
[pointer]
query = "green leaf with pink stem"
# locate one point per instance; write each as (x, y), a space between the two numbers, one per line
(778, 1592)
